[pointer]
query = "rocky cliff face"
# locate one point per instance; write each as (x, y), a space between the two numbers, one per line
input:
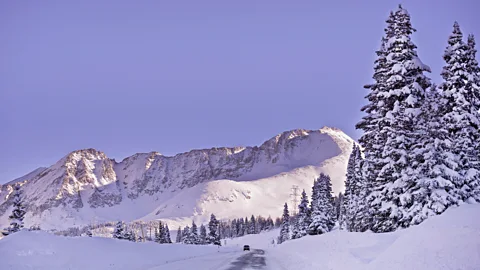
(88, 179)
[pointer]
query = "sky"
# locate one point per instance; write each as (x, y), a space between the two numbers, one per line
(170, 76)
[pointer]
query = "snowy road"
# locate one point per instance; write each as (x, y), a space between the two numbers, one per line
(252, 260)
(237, 260)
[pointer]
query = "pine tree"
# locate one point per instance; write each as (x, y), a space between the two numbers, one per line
(402, 87)
(203, 235)
(461, 116)
(278, 222)
(434, 192)
(213, 236)
(359, 211)
(374, 125)
(166, 234)
(160, 233)
(18, 213)
(285, 227)
(186, 239)
(303, 218)
(241, 227)
(179, 237)
(473, 69)
(252, 225)
(270, 225)
(349, 203)
(119, 231)
(322, 215)
(247, 226)
(194, 234)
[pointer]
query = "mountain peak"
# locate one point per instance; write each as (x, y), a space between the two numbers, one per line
(89, 153)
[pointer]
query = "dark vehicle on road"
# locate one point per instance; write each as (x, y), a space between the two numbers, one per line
(246, 247)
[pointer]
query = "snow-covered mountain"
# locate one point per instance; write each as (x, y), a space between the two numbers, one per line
(86, 186)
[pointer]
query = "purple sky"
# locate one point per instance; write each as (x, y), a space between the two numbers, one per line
(129, 76)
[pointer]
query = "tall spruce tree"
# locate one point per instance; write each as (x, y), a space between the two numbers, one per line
(403, 94)
(285, 227)
(473, 68)
(119, 230)
(360, 208)
(178, 238)
(252, 226)
(461, 116)
(213, 234)
(349, 203)
(434, 191)
(166, 234)
(18, 213)
(203, 235)
(186, 238)
(194, 234)
(303, 218)
(160, 233)
(326, 200)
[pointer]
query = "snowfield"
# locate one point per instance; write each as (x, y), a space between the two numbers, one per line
(448, 241)
(41, 250)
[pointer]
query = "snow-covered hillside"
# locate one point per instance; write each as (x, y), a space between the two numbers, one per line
(86, 186)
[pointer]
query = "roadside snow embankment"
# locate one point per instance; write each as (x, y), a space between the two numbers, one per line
(448, 241)
(41, 250)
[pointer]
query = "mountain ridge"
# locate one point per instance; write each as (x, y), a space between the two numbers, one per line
(86, 180)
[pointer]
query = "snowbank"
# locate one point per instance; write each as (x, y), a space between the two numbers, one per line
(448, 241)
(41, 250)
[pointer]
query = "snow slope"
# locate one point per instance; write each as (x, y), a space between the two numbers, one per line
(448, 241)
(28, 176)
(40, 250)
(86, 186)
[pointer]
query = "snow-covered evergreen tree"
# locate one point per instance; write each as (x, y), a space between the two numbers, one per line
(186, 238)
(285, 227)
(166, 234)
(179, 237)
(461, 116)
(252, 225)
(160, 234)
(89, 233)
(213, 235)
(247, 226)
(473, 68)
(323, 214)
(350, 201)
(359, 211)
(130, 235)
(278, 222)
(18, 213)
(404, 92)
(119, 230)
(203, 235)
(269, 223)
(241, 227)
(434, 191)
(194, 234)
(303, 218)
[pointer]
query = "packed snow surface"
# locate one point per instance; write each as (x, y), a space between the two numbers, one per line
(448, 241)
